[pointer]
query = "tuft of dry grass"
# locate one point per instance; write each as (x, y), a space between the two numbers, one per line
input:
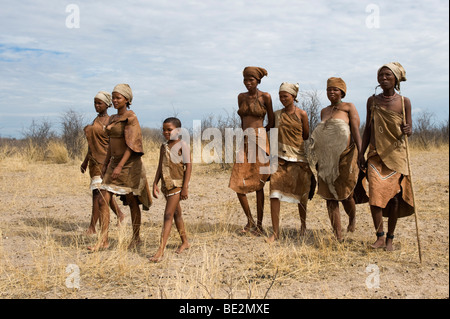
(45, 209)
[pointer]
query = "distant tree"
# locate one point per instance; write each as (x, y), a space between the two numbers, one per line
(309, 101)
(72, 134)
(39, 133)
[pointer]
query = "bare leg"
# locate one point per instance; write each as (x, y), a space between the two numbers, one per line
(103, 201)
(169, 212)
(135, 212)
(335, 218)
(244, 204)
(95, 212)
(392, 222)
(259, 212)
(302, 213)
(115, 208)
(275, 214)
(350, 209)
(377, 216)
(179, 223)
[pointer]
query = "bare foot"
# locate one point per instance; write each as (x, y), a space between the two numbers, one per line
(351, 226)
(271, 239)
(99, 247)
(379, 243)
(135, 243)
(90, 231)
(247, 228)
(302, 230)
(183, 246)
(389, 246)
(257, 231)
(120, 218)
(157, 257)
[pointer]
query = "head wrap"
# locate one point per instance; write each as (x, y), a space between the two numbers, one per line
(125, 90)
(337, 83)
(290, 88)
(398, 70)
(254, 71)
(104, 96)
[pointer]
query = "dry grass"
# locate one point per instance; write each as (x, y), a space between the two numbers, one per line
(45, 208)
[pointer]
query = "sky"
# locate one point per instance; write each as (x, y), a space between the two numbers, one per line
(186, 57)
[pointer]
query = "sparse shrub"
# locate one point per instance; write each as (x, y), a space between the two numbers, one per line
(72, 135)
(427, 133)
(57, 153)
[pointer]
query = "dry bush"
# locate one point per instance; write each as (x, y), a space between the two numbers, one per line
(72, 134)
(57, 153)
(427, 133)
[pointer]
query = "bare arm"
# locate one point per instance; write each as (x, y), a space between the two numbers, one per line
(186, 153)
(366, 135)
(107, 158)
(240, 99)
(407, 128)
(85, 162)
(158, 173)
(305, 124)
(269, 108)
(354, 125)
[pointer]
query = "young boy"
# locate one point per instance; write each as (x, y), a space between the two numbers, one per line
(174, 171)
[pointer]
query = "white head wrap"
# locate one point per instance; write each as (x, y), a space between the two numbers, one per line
(290, 88)
(125, 90)
(104, 96)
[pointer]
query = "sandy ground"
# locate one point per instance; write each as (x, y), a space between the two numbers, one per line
(45, 209)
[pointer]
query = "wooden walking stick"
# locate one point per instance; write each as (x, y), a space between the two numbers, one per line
(410, 177)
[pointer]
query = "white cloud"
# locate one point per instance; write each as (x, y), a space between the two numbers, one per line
(189, 55)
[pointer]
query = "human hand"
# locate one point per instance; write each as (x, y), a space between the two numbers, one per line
(184, 193)
(155, 191)
(116, 172)
(406, 129)
(361, 162)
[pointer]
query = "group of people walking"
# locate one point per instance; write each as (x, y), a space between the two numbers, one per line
(336, 151)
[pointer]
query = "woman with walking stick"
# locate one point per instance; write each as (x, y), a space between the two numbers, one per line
(388, 125)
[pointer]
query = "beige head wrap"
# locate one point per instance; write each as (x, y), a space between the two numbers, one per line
(257, 72)
(125, 90)
(290, 88)
(104, 96)
(337, 83)
(398, 70)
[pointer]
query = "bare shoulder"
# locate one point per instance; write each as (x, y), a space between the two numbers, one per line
(407, 100)
(300, 112)
(266, 96)
(347, 106)
(352, 109)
